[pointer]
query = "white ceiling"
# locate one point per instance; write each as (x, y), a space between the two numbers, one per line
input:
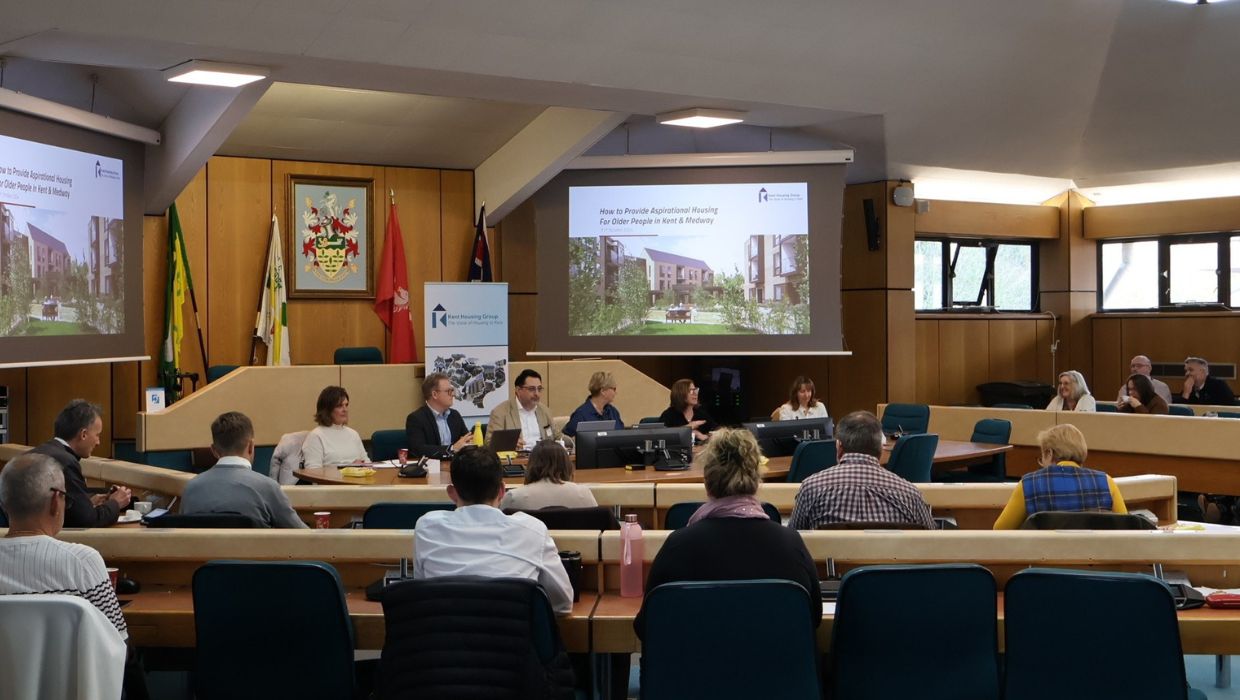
(1089, 90)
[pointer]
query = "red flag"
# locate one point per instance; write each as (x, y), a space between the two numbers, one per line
(392, 299)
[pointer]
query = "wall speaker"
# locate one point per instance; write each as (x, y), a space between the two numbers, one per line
(873, 235)
(902, 196)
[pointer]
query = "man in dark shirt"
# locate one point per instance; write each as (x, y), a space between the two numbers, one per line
(1201, 388)
(436, 430)
(77, 430)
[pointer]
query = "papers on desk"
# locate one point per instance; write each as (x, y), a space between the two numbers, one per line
(828, 608)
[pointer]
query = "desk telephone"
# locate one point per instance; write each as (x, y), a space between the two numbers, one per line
(414, 470)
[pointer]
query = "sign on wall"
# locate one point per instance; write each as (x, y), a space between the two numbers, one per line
(466, 331)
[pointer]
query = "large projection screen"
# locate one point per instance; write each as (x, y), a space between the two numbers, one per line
(690, 261)
(70, 244)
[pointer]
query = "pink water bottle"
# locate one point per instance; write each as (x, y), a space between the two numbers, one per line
(630, 558)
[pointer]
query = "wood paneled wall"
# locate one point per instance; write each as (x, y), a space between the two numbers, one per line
(955, 355)
(226, 216)
(1164, 338)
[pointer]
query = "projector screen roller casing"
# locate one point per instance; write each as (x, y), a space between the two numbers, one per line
(824, 187)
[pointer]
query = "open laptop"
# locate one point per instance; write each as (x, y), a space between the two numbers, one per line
(505, 440)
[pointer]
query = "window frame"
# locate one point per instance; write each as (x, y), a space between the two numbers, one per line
(986, 290)
(1222, 239)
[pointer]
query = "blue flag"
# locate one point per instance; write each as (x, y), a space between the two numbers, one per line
(480, 263)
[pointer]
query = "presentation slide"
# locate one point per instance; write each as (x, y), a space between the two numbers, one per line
(689, 259)
(62, 241)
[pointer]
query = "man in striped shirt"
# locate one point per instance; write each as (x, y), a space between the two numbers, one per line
(858, 489)
(32, 560)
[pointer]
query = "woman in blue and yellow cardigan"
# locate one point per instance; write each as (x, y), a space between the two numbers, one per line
(1062, 483)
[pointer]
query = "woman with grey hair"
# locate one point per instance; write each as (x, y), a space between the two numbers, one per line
(1073, 394)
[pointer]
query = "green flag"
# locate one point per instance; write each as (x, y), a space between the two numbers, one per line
(179, 284)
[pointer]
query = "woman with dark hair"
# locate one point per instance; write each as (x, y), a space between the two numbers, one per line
(1142, 398)
(549, 482)
(333, 441)
(802, 402)
(730, 537)
(686, 410)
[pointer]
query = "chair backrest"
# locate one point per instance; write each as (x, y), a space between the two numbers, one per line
(1228, 414)
(287, 457)
(1122, 629)
(248, 646)
(875, 525)
(181, 460)
(384, 444)
(591, 518)
(879, 628)
(58, 646)
(470, 636)
(1068, 520)
(1106, 407)
(811, 457)
(262, 459)
(214, 372)
(913, 457)
(652, 419)
(1024, 406)
(695, 629)
(906, 418)
(205, 520)
(1176, 409)
(398, 516)
(992, 431)
(678, 515)
(358, 356)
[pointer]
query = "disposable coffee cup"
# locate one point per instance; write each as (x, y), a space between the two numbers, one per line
(143, 507)
(322, 519)
(572, 566)
(113, 574)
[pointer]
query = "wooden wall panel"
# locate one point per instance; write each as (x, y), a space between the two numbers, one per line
(1157, 218)
(520, 261)
(458, 222)
(15, 380)
(1172, 338)
(862, 268)
(239, 225)
(945, 218)
(154, 277)
(57, 386)
(192, 210)
(964, 359)
(901, 354)
(859, 382)
(927, 331)
(522, 326)
(127, 399)
(898, 236)
(1012, 349)
(1110, 363)
(418, 208)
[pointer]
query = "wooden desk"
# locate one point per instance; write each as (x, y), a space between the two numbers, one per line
(164, 617)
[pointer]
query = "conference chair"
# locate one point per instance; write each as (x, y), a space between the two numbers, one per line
(205, 520)
(651, 419)
(398, 516)
(991, 431)
(811, 457)
(1176, 409)
(1103, 407)
(262, 458)
(938, 643)
(271, 630)
(471, 636)
(58, 646)
(4, 518)
(874, 525)
(358, 356)
(214, 372)
(384, 444)
(678, 515)
(1116, 634)
(1070, 520)
(759, 629)
(1228, 414)
(127, 451)
(1023, 406)
(906, 418)
(559, 518)
(913, 457)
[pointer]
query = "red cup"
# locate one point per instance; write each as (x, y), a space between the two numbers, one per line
(322, 520)
(113, 573)
(402, 455)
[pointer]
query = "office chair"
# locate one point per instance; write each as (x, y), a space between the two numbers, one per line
(679, 514)
(913, 457)
(398, 516)
(811, 457)
(906, 418)
(358, 356)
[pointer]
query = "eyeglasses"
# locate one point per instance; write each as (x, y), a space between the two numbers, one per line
(450, 390)
(694, 390)
(533, 389)
(61, 492)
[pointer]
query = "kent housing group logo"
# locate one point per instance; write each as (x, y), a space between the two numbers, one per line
(439, 316)
(774, 195)
(102, 172)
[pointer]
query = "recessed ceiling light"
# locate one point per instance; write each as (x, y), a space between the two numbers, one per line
(214, 73)
(701, 118)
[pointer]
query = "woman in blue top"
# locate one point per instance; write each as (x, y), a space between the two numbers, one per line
(598, 405)
(1062, 483)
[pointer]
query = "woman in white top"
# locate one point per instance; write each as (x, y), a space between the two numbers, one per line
(1073, 394)
(549, 482)
(333, 441)
(802, 402)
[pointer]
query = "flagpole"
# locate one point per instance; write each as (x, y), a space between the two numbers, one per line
(258, 308)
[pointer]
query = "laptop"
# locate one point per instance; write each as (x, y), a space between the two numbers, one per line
(505, 440)
(594, 426)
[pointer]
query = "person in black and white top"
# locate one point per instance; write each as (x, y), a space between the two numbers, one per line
(32, 560)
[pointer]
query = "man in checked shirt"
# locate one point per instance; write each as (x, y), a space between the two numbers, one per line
(858, 489)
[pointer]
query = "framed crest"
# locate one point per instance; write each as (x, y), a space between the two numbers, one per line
(331, 237)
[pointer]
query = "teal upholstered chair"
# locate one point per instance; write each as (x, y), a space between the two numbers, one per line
(1176, 409)
(1104, 407)
(358, 356)
(913, 457)
(992, 431)
(384, 444)
(906, 418)
(811, 457)
(398, 516)
(678, 515)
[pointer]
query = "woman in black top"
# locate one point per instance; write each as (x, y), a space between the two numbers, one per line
(730, 538)
(685, 410)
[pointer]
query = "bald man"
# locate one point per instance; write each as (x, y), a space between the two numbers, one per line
(1142, 365)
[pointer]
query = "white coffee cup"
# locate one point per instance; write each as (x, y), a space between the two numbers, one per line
(132, 514)
(143, 507)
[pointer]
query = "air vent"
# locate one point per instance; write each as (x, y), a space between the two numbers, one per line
(1222, 370)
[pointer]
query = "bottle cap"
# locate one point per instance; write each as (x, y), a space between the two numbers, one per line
(630, 518)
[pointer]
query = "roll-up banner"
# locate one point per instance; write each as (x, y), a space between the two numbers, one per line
(467, 339)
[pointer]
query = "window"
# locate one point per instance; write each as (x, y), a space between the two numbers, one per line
(956, 274)
(1168, 272)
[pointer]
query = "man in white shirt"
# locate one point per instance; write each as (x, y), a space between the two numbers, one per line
(525, 412)
(1142, 365)
(477, 539)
